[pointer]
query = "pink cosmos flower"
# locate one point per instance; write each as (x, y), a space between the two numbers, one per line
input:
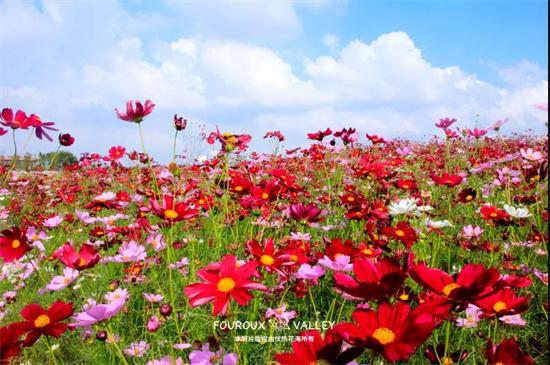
(166, 360)
(513, 320)
(97, 313)
(476, 133)
(117, 295)
(340, 263)
(130, 252)
(207, 357)
(53, 221)
(62, 281)
(281, 314)
(157, 241)
(153, 298)
(153, 324)
(530, 154)
(308, 272)
(472, 231)
(543, 276)
(445, 123)
(136, 114)
(473, 316)
(498, 124)
(137, 349)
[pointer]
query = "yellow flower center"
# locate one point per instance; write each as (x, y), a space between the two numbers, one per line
(225, 285)
(399, 233)
(201, 201)
(336, 255)
(171, 214)
(494, 215)
(404, 297)
(499, 306)
(469, 197)
(351, 199)
(15, 244)
(447, 361)
(34, 237)
(265, 196)
(66, 281)
(81, 262)
(267, 260)
(383, 335)
(449, 288)
(41, 321)
(499, 363)
(238, 188)
(293, 258)
(367, 251)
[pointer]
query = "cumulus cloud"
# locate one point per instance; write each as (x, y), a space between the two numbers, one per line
(384, 86)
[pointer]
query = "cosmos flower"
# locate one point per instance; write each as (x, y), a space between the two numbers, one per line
(173, 211)
(520, 212)
(403, 206)
(318, 350)
(506, 353)
(39, 321)
(473, 316)
(19, 121)
(230, 282)
(130, 252)
(137, 113)
(340, 263)
(62, 281)
(137, 349)
(281, 314)
(445, 123)
(13, 244)
(394, 332)
(205, 356)
(86, 258)
(308, 272)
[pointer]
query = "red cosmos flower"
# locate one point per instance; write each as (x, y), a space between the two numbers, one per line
(230, 141)
(276, 135)
(13, 244)
(490, 212)
(19, 121)
(436, 355)
(136, 114)
(395, 332)
(446, 179)
(476, 133)
(445, 123)
(348, 135)
(266, 192)
(65, 139)
(318, 350)
(172, 211)
(115, 153)
(406, 184)
(239, 183)
(305, 213)
(375, 139)
(231, 281)
(503, 302)
(473, 281)
(266, 256)
(40, 126)
(179, 123)
(506, 353)
(319, 135)
(9, 342)
(86, 258)
(39, 321)
(467, 195)
(450, 134)
(375, 281)
(402, 232)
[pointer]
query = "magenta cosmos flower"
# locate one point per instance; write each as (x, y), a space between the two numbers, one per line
(137, 113)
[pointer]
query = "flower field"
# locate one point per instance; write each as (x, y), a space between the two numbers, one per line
(350, 249)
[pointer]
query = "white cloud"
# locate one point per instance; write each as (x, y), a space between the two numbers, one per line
(385, 86)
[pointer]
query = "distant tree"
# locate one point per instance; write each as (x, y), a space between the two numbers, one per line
(60, 160)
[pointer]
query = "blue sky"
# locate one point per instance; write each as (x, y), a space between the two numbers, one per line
(387, 67)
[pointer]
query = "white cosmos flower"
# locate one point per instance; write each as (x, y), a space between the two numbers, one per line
(403, 206)
(437, 224)
(520, 212)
